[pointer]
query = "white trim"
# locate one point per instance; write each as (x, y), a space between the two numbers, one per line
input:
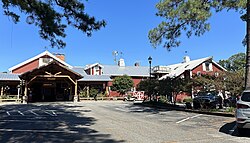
(92, 65)
(37, 57)
(179, 69)
(219, 65)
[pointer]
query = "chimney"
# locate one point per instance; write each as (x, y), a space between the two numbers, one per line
(137, 64)
(186, 59)
(121, 63)
(60, 56)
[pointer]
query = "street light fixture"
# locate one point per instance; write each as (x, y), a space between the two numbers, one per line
(150, 62)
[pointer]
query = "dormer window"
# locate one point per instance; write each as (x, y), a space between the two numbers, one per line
(207, 66)
(44, 61)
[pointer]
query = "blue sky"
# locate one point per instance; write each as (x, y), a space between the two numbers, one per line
(128, 23)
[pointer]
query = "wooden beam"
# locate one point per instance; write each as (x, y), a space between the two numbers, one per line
(48, 73)
(57, 73)
(54, 76)
(32, 79)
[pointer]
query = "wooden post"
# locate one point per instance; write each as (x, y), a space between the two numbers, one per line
(88, 91)
(2, 91)
(18, 93)
(25, 96)
(76, 96)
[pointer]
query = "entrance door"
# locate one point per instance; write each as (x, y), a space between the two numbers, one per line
(48, 94)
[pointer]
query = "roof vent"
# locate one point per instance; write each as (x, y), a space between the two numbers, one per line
(137, 64)
(121, 63)
(186, 59)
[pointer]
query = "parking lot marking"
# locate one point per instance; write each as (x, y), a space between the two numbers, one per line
(38, 131)
(183, 120)
(20, 113)
(232, 130)
(48, 113)
(53, 113)
(33, 113)
(8, 113)
(119, 109)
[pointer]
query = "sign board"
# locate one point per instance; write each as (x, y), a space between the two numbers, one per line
(139, 95)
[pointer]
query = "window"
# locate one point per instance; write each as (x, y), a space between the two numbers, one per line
(207, 66)
(198, 73)
(245, 96)
(216, 74)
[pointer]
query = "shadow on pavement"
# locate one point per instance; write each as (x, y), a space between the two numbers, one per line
(140, 108)
(67, 126)
(230, 128)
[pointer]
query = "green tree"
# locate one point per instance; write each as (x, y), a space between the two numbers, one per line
(234, 63)
(52, 17)
(191, 18)
(122, 84)
(173, 86)
(234, 82)
(150, 86)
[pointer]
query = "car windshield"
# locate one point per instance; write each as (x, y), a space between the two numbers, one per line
(245, 96)
(206, 94)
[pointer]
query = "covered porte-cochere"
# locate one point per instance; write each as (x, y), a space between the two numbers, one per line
(48, 83)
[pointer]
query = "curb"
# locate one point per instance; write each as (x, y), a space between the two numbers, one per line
(190, 110)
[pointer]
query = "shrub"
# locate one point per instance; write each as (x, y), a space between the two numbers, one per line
(188, 100)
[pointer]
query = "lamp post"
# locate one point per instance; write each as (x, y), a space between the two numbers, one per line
(150, 62)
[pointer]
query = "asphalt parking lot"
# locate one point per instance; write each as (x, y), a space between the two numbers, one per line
(111, 121)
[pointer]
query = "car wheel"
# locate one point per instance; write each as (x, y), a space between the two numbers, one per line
(195, 105)
(241, 131)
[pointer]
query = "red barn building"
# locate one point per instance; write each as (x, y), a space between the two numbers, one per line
(47, 77)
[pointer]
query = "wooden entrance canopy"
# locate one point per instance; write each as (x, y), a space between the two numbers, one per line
(50, 72)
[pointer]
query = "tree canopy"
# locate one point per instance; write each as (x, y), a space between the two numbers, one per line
(234, 63)
(122, 84)
(189, 17)
(52, 17)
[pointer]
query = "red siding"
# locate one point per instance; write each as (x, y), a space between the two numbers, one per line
(136, 81)
(27, 67)
(200, 69)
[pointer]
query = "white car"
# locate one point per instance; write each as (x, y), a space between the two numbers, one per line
(242, 112)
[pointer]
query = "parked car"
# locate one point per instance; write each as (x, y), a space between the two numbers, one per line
(129, 98)
(230, 101)
(208, 100)
(242, 112)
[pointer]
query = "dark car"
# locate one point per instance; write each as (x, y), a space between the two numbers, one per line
(207, 100)
(230, 101)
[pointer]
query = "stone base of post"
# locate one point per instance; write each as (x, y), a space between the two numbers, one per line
(75, 98)
(25, 100)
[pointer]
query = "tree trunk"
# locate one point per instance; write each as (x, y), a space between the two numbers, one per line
(247, 74)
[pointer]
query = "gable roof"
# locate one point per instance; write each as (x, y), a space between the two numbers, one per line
(50, 66)
(37, 57)
(79, 70)
(178, 69)
(93, 65)
(115, 70)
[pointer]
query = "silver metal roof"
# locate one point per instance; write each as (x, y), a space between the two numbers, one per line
(9, 77)
(79, 70)
(96, 78)
(115, 70)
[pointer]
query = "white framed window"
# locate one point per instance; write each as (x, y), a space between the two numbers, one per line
(216, 74)
(207, 66)
(198, 73)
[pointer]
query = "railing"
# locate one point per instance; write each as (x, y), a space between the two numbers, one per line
(9, 98)
(101, 98)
